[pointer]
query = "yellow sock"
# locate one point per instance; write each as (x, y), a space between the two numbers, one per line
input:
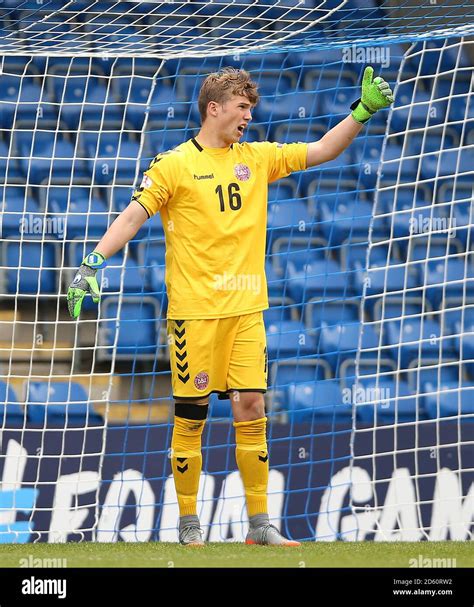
(252, 459)
(186, 462)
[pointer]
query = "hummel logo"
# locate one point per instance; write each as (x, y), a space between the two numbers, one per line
(211, 176)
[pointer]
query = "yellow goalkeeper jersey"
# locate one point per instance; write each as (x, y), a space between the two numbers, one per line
(213, 205)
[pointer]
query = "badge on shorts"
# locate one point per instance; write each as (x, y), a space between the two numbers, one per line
(242, 172)
(201, 381)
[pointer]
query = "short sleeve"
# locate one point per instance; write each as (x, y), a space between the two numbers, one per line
(156, 187)
(285, 158)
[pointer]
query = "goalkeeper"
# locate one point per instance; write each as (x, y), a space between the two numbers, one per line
(211, 192)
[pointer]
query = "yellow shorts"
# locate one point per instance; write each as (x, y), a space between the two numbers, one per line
(217, 355)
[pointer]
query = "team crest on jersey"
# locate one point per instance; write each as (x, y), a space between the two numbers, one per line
(201, 381)
(146, 182)
(242, 172)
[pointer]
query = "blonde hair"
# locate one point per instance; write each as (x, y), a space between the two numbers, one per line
(221, 86)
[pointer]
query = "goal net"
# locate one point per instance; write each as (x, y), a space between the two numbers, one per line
(369, 268)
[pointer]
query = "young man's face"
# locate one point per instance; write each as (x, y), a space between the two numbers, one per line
(233, 117)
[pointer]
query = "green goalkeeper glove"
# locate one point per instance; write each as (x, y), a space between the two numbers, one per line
(85, 283)
(376, 94)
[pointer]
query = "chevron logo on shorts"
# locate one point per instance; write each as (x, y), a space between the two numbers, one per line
(180, 351)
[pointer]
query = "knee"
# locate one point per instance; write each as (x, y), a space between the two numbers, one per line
(247, 406)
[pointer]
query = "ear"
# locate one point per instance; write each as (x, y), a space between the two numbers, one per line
(212, 108)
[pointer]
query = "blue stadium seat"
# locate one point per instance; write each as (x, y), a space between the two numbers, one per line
(388, 305)
(10, 410)
(341, 342)
(318, 279)
(57, 197)
(120, 195)
(165, 135)
(464, 342)
(326, 80)
(321, 399)
(398, 335)
(297, 131)
(340, 169)
(289, 217)
(451, 399)
(432, 140)
(281, 308)
(433, 371)
(51, 160)
(403, 197)
(331, 192)
(277, 80)
(31, 267)
(345, 220)
(85, 98)
(133, 89)
(115, 162)
(448, 162)
(17, 212)
(259, 63)
(60, 403)
(353, 253)
(430, 246)
(457, 313)
(297, 251)
(9, 169)
(388, 402)
(396, 167)
(330, 312)
(289, 338)
(26, 103)
(283, 373)
(138, 330)
(275, 280)
(287, 106)
(164, 105)
(411, 219)
(133, 276)
(448, 277)
(461, 112)
(439, 56)
(283, 189)
(84, 216)
(381, 277)
(422, 112)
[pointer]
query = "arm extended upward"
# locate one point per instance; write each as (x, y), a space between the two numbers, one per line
(333, 142)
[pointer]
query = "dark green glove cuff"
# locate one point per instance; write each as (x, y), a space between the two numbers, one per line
(94, 260)
(360, 112)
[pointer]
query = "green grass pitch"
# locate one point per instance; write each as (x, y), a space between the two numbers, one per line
(310, 554)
